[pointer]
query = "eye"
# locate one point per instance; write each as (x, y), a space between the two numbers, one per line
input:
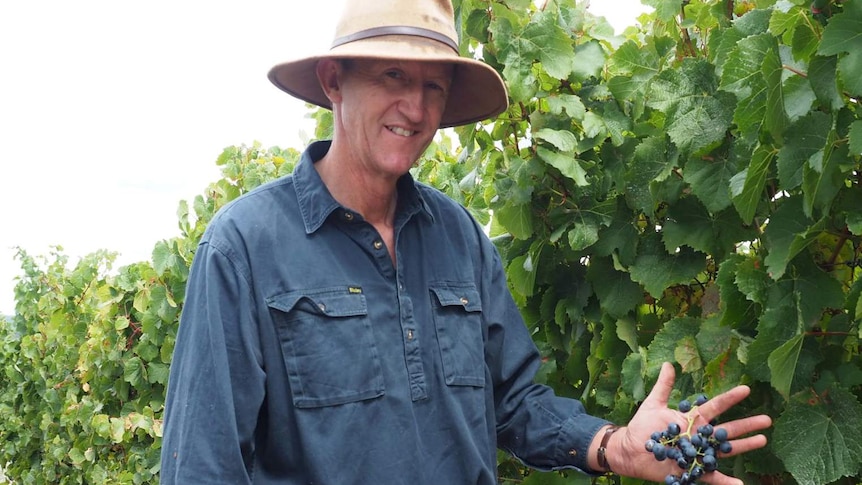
(436, 87)
(394, 74)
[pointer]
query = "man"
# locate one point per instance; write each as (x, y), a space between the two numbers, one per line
(347, 325)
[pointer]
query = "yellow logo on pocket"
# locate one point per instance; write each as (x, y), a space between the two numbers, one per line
(354, 290)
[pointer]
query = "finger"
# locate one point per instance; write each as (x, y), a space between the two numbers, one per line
(744, 426)
(660, 393)
(724, 401)
(744, 445)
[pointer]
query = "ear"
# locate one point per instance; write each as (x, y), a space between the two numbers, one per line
(329, 76)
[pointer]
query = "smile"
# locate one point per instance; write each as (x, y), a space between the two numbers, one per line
(400, 131)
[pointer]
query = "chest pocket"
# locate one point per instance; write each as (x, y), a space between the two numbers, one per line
(328, 346)
(458, 321)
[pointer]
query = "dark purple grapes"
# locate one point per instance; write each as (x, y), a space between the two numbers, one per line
(709, 463)
(695, 451)
(659, 451)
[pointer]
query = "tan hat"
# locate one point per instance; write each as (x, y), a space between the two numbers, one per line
(415, 30)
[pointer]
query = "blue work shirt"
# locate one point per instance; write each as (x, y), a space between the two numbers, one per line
(305, 356)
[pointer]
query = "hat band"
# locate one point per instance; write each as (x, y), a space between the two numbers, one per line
(396, 30)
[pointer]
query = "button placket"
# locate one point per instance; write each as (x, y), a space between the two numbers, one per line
(412, 353)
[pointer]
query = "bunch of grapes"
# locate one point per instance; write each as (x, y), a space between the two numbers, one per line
(693, 450)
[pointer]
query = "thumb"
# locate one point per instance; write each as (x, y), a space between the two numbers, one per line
(660, 393)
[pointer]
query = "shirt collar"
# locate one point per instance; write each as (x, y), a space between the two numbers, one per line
(316, 203)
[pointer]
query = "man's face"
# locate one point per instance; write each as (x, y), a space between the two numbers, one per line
(389, 111)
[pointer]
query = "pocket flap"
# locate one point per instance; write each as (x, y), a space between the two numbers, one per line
(465, 296)
(344, 301)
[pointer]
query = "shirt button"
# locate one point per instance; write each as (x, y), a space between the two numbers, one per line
(378, 244)
(322, 307)
(410, 334)
(348, 216)
(464, 300)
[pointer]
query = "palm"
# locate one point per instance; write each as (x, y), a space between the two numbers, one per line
(654, 415)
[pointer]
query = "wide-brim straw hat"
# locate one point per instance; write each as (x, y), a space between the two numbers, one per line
(417, 30)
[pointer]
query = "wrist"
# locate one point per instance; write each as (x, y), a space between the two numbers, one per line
(600, 454)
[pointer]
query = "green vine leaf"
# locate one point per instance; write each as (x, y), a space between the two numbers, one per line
(617, 293)
(778, 325)
(584, 233)
(564, 141)
(710, 181)
(687, 355)
(787, 233)
(619, 239)
(842, 36)
(782, 364)
(690, 224)
(663, 346)
(823, 76)
(741, 75)
(571, 103)
(651, 162)
(522, 275)
(697, 116)
(665, 9)
(855, 138)
(831, 424)
(656, 269)
(588, 61)
(747, 186)
(517, 219)
(752, 280)
(844, 32)
(816, 290)
(805, 138)
(633, 376)
(629, 59)
(567, 164)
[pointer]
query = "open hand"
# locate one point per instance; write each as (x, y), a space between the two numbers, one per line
(627, 455)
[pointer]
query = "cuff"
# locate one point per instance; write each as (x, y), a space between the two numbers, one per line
(573, 444)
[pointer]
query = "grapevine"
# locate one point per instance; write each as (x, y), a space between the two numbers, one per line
(694, 450)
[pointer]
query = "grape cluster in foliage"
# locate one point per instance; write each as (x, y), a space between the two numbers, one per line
(695, 451)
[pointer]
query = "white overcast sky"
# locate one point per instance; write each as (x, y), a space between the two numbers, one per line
(111, 112)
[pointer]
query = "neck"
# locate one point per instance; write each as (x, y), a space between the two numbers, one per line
(375, 198)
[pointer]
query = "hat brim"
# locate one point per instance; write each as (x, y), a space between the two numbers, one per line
(477, 91)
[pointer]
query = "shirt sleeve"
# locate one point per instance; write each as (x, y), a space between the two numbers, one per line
(216, 383)
(544, 431)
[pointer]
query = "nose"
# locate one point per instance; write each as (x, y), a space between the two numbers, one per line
(412, 102)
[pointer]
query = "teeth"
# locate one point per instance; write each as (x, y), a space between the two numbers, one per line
(400, 131)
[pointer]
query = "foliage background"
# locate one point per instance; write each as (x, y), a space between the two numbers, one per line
(689, 192)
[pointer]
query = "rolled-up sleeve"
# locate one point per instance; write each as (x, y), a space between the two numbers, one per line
(216, 384)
